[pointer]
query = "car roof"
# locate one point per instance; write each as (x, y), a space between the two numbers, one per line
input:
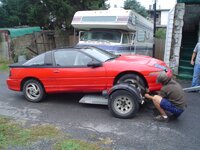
(75, 48)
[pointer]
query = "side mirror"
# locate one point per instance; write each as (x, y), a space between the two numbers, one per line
(94, 64)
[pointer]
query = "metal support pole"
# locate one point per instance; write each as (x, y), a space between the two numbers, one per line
(154, 27)
(74, 37)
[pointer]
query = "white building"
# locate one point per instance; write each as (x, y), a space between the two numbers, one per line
(161, 17)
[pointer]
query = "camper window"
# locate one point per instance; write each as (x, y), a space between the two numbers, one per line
(108, 36)
(99, 19)
(147, 35)
(125, 39)
(132, 38)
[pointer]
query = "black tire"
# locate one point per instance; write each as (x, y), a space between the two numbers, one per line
(122, 104)
(135, 80)
(33, 91)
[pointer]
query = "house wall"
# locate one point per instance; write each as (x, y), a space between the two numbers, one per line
(177, 36)
(164, 17)
(174, 37)
(168, 42)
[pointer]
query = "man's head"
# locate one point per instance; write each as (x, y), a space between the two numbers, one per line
(163, 78)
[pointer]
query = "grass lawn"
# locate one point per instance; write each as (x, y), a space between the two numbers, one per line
(13, 134)
(4, 67)
(3, 64)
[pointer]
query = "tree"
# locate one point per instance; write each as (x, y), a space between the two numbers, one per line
(62, 11)
(38, 15)
(3, 20)
(135, 6)
(43, 12)
(8, 14)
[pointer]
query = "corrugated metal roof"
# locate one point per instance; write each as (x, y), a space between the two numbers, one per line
(16, 32)
(189, 1)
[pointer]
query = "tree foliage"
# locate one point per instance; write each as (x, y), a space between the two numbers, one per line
(160, 33)
(44, 13)
(135, 6)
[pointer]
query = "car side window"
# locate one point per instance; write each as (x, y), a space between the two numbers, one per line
(82, 59)
(71, 58)
(38, 60)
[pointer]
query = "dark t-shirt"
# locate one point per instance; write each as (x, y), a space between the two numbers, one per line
(174, 93)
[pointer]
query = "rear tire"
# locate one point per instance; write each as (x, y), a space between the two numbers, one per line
(123, 104)
(33, 91)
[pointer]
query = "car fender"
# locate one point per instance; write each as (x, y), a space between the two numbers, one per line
(127, 87)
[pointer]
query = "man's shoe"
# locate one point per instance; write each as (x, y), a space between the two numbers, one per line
(161, 118)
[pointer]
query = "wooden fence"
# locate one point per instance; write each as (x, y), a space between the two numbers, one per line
(159, 48)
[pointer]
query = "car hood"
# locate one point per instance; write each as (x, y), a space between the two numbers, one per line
(141, 59)
(138, 59)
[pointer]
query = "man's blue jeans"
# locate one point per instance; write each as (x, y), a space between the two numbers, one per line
(196, 75)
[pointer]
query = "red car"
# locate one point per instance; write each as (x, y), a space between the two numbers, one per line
(87, 69)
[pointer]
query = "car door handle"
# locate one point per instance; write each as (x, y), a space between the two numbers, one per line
(56, 71)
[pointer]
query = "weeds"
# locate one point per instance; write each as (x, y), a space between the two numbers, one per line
(3, 64)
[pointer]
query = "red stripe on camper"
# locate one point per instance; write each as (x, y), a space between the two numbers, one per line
(76, 19)
(122, 18)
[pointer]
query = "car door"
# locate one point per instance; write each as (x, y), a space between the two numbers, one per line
(73, 74)
(41, 67)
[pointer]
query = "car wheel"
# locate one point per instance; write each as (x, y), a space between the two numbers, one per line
(33, 90)
(133, 79)
(122, 104)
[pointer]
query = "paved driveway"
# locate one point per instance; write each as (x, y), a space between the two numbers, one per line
(94, 123)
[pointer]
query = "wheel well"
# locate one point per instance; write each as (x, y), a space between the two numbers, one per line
(29, 78)
(130, 72)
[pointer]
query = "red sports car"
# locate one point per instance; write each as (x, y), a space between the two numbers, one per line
(86, 69)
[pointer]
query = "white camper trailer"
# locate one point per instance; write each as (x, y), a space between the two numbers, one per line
(115, 30)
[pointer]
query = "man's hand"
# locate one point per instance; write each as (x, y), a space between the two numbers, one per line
(148, 96)
(192, 62)
(192, 59)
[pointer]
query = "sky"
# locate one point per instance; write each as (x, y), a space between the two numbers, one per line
(161, 4)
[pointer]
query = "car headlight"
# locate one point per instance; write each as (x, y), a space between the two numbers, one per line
(164, 68)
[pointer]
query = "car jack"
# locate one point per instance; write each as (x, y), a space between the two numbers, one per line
(192, 89)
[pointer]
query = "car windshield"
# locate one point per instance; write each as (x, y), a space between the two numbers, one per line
(99, 54)
(105, 36)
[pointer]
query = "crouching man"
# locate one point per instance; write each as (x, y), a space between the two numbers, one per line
(171, 98)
